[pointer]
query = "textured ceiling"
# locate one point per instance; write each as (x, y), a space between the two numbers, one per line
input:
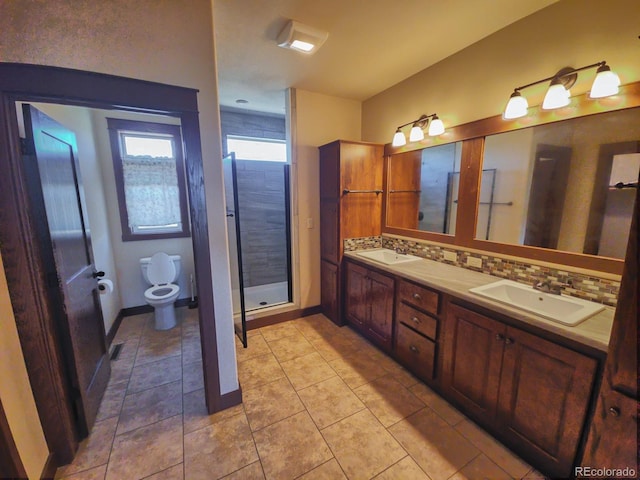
(372, 44)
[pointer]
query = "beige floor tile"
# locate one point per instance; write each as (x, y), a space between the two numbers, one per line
(219, 449)
(195, 412)
(280, 330)
(191, 349)
(154, 374)
(250, 472)
(288, 348)
(388, 400)
(333, 347)
(94, 450)
(131, 328)
(174, 473)
(405, 469)
(147, 450)
(150, 406)
(357, 370)
(291, 447)
(434, 444)
(533, 474)
(192, 377)
(481, 468)
(158, 345)
(256, 347)
(307, 370)
(362, 446)
(96, 473)
(437, 404)
(258, 371)
(493, 449)
(270, 403)
(112, 401)
(122, 367)
(330, 401)
(327, 471)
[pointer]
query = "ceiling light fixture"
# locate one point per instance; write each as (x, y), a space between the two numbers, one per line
(436, 127)
(301, 38)
(558, 95)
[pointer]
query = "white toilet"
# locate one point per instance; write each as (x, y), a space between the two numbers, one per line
(161, 270)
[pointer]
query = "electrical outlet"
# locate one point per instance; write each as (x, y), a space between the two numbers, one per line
(309, 223)
(450, 256)
(474, 262)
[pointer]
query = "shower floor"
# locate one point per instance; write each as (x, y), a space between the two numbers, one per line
(262, 296)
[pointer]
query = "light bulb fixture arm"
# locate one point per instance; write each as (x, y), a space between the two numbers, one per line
(565, 72)
(422, 120)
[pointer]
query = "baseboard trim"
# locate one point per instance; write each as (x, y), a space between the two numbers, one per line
(114, 328)
(50, 467)
(282, 317)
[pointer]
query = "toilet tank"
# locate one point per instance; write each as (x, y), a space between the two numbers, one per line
(144, 264)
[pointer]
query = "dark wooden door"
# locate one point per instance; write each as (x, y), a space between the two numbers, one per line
(544, 394)
(57, 195)
(357, 299)
(380, 318)
(473, 359)
(329, 291)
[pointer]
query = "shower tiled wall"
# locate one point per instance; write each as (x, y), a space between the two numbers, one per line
(578, 285)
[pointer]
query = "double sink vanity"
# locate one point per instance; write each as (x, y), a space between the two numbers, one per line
(489, 346)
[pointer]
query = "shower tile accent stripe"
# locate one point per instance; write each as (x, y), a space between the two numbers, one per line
(586, 287)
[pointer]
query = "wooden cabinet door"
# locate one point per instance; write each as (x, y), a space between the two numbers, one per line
(473, 347)
(544, 395)
(357, 300)
(380, 321)
(329, 291)
(330, 248)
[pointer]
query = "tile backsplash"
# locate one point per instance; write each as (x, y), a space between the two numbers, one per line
(575, 284)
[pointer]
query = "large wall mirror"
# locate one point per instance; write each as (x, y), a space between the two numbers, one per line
(554, 186)
(422, 189)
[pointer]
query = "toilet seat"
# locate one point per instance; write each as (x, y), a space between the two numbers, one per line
(161, 292)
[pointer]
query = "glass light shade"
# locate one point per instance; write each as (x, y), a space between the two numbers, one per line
(517, 107)
(399, 139)
(557, 96)
(605, 84)
(436, 127)
(416, 134)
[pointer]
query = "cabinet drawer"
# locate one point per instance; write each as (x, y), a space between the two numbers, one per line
(419, 296)
(416, 352)
(417, 320)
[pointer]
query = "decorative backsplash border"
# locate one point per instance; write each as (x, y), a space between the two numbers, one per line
(592, 288)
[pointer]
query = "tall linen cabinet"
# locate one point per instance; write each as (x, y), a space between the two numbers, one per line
(350, 207)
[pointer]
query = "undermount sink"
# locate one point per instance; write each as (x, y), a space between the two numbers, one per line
(388, 257)
(561, 309)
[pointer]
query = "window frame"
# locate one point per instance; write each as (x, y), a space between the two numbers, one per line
(117, 125)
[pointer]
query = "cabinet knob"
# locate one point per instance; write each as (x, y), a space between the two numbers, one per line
(614, 411)
(414, 349)
(415, 319)
(416, 296)
(499, 337)
(508, 341)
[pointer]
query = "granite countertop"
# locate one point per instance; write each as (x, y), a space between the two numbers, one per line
(456, 281)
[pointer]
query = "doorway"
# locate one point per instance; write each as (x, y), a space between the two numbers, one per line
(22, 253)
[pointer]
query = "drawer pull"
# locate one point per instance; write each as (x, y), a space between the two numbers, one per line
(415, 319)
(509, 341)
(499, 337)
(416, 296)
(614, 411)
(414, 349)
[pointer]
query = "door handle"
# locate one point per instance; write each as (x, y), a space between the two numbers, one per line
(98, 274)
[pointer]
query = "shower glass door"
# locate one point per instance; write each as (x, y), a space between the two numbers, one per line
(235, 246)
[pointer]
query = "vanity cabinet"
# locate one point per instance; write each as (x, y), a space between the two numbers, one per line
(532, 392)
(350, 207)
(369, 303)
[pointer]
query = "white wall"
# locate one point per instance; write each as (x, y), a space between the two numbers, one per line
(156, 41)
(316, 120)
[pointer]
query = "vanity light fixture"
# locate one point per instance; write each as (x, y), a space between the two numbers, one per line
(301, 38)
(605, 84)
(436, 127)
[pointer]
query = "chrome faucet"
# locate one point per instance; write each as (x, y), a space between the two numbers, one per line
(401, 250)
(546, 287)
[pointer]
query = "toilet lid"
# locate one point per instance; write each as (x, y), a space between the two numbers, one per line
(161, 269)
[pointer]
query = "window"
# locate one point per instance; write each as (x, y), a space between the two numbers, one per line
(150, 180)
(261, 149)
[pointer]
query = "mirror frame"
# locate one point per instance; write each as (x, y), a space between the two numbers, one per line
(473, 136)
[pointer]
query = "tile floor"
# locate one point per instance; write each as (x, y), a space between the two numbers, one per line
(319, 402)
